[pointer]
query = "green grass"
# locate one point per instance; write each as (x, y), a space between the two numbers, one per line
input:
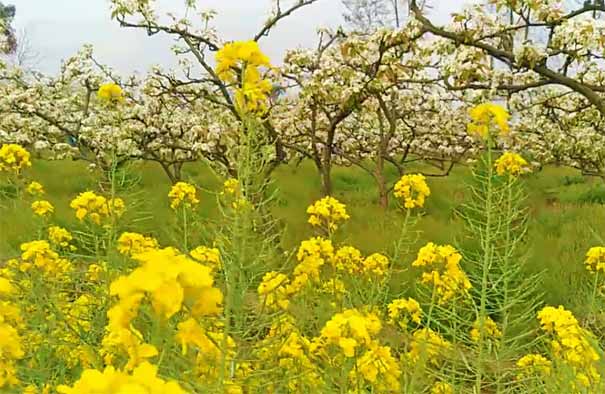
(566, 212)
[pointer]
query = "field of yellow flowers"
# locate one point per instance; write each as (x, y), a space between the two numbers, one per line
(103, 309)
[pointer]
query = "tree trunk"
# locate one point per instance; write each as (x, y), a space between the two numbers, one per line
(326, 179)
(383, 192)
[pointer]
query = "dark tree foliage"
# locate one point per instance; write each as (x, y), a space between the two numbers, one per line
(7, 14)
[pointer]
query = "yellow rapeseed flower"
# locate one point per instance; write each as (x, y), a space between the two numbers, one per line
(442, 388)
(378, 367)
(183, 193)
(111, 93)
(134, 243)
(274, 290)
(412, 190)
(490, 330)
(42, 208)
(402, 311)
(571, 344)
(327, 213)
(429, 346)
(511, 164)
(595, 259)
(486, 114)
(35, 189)
(239, 62)
(350, 329)
(14, 158)
(144, 379)
(97, 208)
(441, 265)
(237, 53)
(60, 237)
(534, 364)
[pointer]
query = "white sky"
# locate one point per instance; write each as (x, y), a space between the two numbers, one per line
(58, 28)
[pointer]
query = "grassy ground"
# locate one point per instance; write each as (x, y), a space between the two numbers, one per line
(567, 215)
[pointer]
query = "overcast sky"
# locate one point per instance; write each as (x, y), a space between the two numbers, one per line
(57, 29)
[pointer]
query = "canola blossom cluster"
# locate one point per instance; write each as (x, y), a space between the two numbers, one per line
(483, 116)
(35, 189)
(183, 194)
(96, 208)
(42, 208)
(485, 328)
(11, 322)
(511, 164)
(239, 63)
(534, 364)
(14, 158)
(441, 269)
(595, 259)
(571, 345)
(327, 213)
(111, 93)
(412, 190)
(143, 379)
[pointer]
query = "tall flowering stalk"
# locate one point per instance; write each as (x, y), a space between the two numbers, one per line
(248, 235)
(14, 160)
(502, 303)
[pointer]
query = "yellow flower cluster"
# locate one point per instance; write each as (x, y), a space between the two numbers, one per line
(95, 272)
(13, 158)
(402, 311)
(327, 213)
(172, 282)
(210, 257)
(595, 259)
(60, 237)
(96, 208)
(231, 186)
(237, 53)
(11, 348)
(348, 259)
(183, 193)
(143, 380)
(511, 164)
(375, 264)
(39, 254)
(412, 190)
(312, 255)
(484, 115)
(489, 329)
(534, 364)
(254, 91)
(428, 346)
(207, 342)
(275, 290)
(570, 344)
(379, 368)
(442, 270)
(111, 93)
(286, 347)
(35, 189)
(134, 243)
(349, 330)
(232, 190)
(442, 388)
(240, 62)
(42, 208)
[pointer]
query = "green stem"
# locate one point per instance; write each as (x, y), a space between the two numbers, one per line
(595, 289)
(185, 230)
(402, 234)
(486, 263)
